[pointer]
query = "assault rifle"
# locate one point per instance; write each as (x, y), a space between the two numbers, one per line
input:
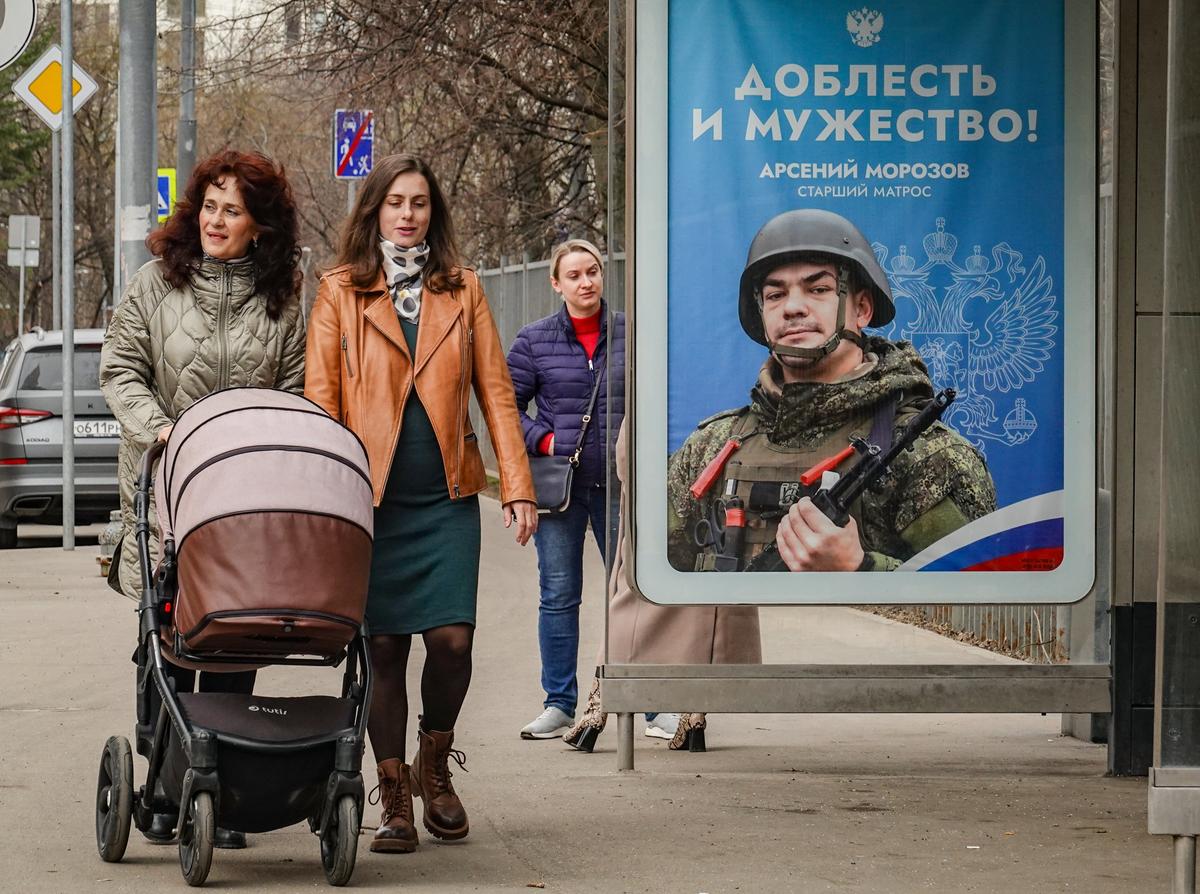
(873, 462)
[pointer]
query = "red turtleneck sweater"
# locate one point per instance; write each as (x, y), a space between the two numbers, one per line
(587, 331)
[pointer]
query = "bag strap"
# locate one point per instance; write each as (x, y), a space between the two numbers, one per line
(883, 421)
(587, 417)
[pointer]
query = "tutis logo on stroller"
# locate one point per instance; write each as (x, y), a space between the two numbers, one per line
(282, 712)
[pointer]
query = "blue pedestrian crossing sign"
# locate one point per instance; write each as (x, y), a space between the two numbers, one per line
(166, 193)
(353, 143)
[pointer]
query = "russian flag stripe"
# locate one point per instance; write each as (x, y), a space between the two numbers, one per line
(1032, 529)
(1003, 548)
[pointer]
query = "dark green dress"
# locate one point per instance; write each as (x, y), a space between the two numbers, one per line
(425, 565)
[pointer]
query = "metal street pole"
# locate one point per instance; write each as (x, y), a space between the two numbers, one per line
(137, 93)
(351, 194)
(21, 290)
(186, 158)
(56, 227)
(118, 283)
(68, 276)
(305, 263)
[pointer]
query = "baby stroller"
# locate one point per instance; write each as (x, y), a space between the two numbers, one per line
(265, 509)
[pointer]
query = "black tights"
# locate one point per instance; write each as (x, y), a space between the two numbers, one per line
(444, 682)
(185, 680)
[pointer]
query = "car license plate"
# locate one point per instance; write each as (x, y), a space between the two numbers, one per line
(97, 428)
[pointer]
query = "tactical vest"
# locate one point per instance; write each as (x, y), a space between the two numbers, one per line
(766, 476)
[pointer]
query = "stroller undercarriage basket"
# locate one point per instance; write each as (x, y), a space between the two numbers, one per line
(296, 768)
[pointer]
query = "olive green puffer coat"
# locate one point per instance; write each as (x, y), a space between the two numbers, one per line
(166, 348)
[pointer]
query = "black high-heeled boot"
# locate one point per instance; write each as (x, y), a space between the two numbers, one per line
(583, 735)
(690, 733)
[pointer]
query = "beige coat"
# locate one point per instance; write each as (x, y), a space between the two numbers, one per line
(642, 632)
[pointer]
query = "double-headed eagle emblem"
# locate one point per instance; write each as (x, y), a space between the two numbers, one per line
(986, 327)
(864, 26)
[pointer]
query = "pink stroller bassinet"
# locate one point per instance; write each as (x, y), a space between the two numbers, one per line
(264, 504)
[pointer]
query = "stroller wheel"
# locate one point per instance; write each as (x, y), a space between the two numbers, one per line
(114, 799)
(196, 840)
(339, 842)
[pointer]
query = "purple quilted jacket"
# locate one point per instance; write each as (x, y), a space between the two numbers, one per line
(550, 367)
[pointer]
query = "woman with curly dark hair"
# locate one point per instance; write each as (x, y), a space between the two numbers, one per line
(246, 219)
(216, 309)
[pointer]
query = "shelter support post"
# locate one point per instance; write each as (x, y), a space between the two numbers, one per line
(625, 741)
(1183, 879)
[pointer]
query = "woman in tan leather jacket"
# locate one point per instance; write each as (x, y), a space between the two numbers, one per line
(399, 335)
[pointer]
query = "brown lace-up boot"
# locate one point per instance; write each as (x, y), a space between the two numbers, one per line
(396, 833)
(443, 813)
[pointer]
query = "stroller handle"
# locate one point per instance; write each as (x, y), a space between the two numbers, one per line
(146, 467)
(141, 494)
(141, 529)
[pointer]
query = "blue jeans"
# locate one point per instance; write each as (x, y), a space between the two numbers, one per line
(560, 540)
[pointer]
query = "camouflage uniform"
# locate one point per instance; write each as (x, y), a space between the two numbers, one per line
(939, 485)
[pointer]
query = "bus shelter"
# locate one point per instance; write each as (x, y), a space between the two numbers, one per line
(1122, 404)
(728, 127)
(1174, 797)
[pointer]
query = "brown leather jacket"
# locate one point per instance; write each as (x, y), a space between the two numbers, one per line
(358, 368)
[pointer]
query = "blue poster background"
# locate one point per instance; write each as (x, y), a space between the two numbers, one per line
(975, 262)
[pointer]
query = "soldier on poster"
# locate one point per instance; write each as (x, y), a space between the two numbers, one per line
(810, 288)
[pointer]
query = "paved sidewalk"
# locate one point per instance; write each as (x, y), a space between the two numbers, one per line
(780, 803)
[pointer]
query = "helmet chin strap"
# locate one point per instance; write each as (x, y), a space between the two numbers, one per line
(839, 329)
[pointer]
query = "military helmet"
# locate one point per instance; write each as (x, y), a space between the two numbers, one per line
(808, 230)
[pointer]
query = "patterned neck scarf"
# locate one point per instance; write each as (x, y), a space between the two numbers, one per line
(402, 269)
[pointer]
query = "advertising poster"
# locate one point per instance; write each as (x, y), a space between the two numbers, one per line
(908, 188)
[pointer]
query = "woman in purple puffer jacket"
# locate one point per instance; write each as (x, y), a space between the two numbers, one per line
(556, 362)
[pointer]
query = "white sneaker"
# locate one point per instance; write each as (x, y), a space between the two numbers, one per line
(663, 726)
(551, 724)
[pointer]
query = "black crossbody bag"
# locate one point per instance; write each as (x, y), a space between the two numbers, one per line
(552, 475)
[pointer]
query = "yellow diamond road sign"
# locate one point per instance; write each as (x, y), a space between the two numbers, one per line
(40, 87)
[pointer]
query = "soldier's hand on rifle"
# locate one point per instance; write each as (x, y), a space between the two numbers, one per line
(808, 541)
